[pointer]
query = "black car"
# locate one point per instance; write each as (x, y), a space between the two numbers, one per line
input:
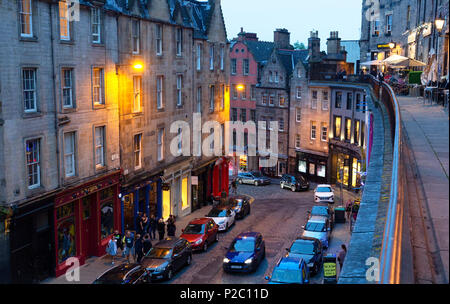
(166, 258)
(240, 205)
(310, 249)
(123, 274)
(294, 183)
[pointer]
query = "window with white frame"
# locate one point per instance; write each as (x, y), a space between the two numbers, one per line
(233, 66)
(179, 40)
(298, 114)
(29, 90)
(252, 92)
(244, 92)
(67, 87)
(282, 100)
(159, 92)
(211, 97)
(325, 101)
(211, 57)
(376, 27)
(160, 144)
(99, 147)
(324, 134)
(271, 100)
(313, 130)
(199, 99)
(137, 148)
(297, 141)
(281, 124)
(245, 67)
(235, 91)
(135, 35)
(222, 57)
(33, 162)
(199, 57)
(179, 90)
(299, 93)
(314, 100)
(97, 86)
(180, 141)
(26, 18)
(158, 36)
(69, 154)
(64, 24)
(137, 94)
(264, 99)
(389, 24)
(96, 23)
(270, 76)
(276, 77)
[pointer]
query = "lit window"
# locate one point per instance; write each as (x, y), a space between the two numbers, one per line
(64, 24)
(33, 164)
(137, 94)
(282, 101)
(26, 18)
(337, 127)
(69, 154)
(376, 27)
(97, 86)
(271, 100)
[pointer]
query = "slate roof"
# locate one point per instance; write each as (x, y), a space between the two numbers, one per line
(261, 50)
(290, 58)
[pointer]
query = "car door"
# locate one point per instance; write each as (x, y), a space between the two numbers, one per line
(210, 232)
(248, 178)
(246, 206)
(177, 257)
(230, 217)
(259, 248)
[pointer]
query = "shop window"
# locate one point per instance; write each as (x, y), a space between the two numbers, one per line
(86, 207)
(337, 127)
(142, 201)
(348, 129)
(106, 193)
(354, 172)
(153, 200)
(66, 237)
(184, 193)
(128, 211)
(302, 166)
(356, 133)
(312, 169)
(107, 219)
(166, 204)
(321, 170)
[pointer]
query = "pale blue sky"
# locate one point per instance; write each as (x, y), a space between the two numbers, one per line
(298, 16)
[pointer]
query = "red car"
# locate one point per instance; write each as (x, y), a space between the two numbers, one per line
(201, 233)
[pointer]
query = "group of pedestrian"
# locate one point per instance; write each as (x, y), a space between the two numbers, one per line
(146, 225)
(351, 210)
(130, 245)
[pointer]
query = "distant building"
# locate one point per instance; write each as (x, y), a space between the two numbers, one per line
(353, 53)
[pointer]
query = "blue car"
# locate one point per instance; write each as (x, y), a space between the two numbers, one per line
(290, 270)
(310, 250)
(245, 253)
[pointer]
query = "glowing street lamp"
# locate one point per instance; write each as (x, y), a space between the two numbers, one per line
(240, 87)
(439, 22)
(137, 66)
(391, 45)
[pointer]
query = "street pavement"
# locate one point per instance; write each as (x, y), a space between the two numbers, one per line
(427, 128)
(277, 214)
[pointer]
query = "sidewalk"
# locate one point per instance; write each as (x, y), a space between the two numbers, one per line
(427, 127)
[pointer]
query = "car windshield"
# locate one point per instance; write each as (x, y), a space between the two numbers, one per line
(256, 174)
(243, 245)
(218, 213)
(323, 189)
(316, 210)
(116, 274)
(315, 226)
(302, 247)
(160, 253)
(286, 276)
(194, 229)
(236, 202)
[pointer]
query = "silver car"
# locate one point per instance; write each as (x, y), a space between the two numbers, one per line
(253, 178)
(318, 227)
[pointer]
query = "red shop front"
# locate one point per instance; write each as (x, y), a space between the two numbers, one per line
(85, 218)
(220, 176)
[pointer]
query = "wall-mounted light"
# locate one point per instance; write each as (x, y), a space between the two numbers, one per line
(439, 22)
(240, 87)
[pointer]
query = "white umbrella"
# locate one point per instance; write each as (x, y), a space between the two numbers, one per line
(372, 62)
(403, 61)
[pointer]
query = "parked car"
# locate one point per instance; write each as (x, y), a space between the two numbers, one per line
(318, 227)
(123, 274)
(223, 215)
(167, 257)
(240, 205)
(310, 250)
(324, 194)
(253, 178)
(294, 183)
(289, 270)
(200, 233)
(323, 211)
(245, 253)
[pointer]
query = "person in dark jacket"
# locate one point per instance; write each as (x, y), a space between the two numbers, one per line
(161, 229)
(147, 244)
(138, 248)
(153, 224)
(128, 240)
(171, 228)
(118, 238)
(139, 227)
(145, 224)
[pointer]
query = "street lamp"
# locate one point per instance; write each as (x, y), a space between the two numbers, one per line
(137, 66)
(439, 22)
(240, 87)
(391, 44)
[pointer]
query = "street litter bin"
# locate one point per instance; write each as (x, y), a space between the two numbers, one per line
(339, 214)
(329, 269)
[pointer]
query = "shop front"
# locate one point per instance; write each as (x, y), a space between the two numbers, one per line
(345, 167)
(144, 197)
(176, 193)
(313, 166)
(220, 177)
(85, 217)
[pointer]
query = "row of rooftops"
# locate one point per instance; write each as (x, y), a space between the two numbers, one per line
(194, 14)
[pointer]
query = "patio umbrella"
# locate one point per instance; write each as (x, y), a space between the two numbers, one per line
(372, 62)
(403, 61)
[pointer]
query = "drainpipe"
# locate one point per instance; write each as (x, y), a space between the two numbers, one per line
(55, 104)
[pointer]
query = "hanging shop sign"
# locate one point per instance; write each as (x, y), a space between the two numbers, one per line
(165, 186)
(194, 180)
(412, 37)
(386, 46)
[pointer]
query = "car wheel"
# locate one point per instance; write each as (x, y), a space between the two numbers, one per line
(256, 184)
(293, 188)
(240, 181)
(189, 260)
(205, 246)
(281, 186)
(169, 274)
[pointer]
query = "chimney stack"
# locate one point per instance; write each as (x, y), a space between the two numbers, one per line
(314, 47)
(334, 43)
(281, 38)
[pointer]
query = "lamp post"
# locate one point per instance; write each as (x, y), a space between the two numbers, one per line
(137, 66)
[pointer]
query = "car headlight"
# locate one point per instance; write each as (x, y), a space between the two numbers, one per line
(238, 209)
(226, 260)
(248, 261)
(198, 242)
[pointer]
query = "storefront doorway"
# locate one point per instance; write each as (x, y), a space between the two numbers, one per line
(89, 238)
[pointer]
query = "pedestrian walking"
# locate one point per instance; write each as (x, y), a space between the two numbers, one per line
(341, 256)
(138, 248)
(129, 245)
(118, 238)
(234, 186)
(145, 224)
(139, 227)
(111, 249)
(348, 209)
(355, 209)
(171, 228)
(161, 229)
(153, 227)
(147, 244)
